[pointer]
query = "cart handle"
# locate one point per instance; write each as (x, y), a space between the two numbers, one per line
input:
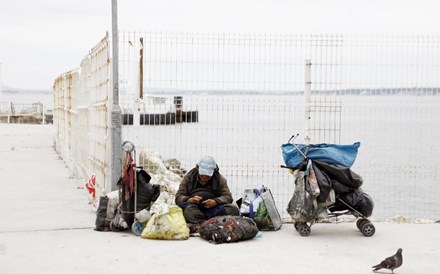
(293, 137)
(130, 150)
(292, 141)
(288, 167)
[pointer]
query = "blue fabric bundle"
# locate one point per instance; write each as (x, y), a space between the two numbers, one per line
(343, 155)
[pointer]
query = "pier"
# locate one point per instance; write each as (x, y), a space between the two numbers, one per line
(25, 114)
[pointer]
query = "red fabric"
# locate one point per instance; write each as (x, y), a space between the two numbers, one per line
(90, 185)
(128, 176)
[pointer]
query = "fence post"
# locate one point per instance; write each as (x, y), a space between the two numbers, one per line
(307, 97)
(1, 87)
(115, 117)
(138, 84)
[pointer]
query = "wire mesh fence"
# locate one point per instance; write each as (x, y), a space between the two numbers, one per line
(239, 97)
(247, 90)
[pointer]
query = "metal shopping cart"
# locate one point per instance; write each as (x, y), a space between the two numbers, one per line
(325, 186)
(136, 193)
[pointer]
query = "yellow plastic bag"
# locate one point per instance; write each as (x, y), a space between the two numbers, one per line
(169, 226)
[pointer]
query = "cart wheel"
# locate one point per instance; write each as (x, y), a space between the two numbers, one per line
(368, 229)
(296, 225)
(137, 228)
(361, 222)
(304, 230)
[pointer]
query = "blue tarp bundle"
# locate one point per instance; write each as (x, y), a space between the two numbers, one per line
(343, 155)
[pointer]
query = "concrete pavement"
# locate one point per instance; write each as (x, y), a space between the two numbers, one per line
(47, 227)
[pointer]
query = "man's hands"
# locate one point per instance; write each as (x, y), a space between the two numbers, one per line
(197, 200)
(209, 203)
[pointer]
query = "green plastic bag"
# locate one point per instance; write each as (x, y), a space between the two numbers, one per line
(262, 218)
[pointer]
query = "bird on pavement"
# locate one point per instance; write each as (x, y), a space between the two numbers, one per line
(391, 262)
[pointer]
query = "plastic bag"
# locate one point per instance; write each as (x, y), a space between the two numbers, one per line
(168, 226)
(343, 155)
(303, 206)
(250, 202)
(258, 204)
(162, 204)
(262, 218)
(272, 211)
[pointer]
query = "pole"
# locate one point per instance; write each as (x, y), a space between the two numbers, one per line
(307, 95)
(115, 116)
(1, 88)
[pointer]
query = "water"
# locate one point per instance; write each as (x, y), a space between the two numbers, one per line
(398, 158)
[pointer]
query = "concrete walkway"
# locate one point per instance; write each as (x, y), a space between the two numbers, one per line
(47, 227)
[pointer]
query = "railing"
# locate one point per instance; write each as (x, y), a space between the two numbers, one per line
(22, 113)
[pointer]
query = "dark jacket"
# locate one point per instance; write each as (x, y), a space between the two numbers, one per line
(217, 187)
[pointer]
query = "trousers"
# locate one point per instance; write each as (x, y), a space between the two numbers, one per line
(195, 215)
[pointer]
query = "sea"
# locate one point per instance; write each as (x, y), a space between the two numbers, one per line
(398, 158)
(27, 98)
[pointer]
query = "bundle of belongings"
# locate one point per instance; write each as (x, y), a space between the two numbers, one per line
(259, 205)
(228, 229)
(116, 211)
(129, 206)
(324, 180)
(167, 221)
(149, 210)
(142, 206)
(164, 219)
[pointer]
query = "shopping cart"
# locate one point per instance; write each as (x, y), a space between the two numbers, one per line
(325, 186)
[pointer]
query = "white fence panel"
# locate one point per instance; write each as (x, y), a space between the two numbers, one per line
(242, 97)
(81, 116)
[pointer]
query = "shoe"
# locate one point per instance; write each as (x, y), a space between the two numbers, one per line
(193, 228)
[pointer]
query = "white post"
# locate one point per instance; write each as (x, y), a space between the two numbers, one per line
(307, 97)
(115, 153)
(1, 88)
(135, 93)
(10, 112)
(136, 86)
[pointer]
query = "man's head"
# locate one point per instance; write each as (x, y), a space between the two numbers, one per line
(207, 166)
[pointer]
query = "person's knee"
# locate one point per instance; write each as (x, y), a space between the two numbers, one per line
(232, 209)
(193, 214)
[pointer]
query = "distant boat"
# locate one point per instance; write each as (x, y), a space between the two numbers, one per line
(159, 110)
(158, 104)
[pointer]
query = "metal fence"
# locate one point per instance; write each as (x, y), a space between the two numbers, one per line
(80, 114)
(22, 113)
(238, 97)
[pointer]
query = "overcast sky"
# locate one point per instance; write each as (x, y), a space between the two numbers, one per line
(41, 39)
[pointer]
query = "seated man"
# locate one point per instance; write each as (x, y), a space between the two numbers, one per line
(204, 193)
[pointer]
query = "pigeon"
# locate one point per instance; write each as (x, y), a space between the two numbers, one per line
(391, 262)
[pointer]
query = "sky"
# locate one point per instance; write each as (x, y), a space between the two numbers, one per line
(42, 39)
